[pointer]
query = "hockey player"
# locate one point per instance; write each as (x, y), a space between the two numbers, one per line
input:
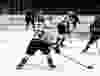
(68, 25)
(42, 43)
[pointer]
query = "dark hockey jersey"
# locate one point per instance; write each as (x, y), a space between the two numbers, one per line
(61, 28)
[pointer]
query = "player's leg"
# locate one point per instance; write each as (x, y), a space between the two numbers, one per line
(25, 59)
(50, 61)
(46, 51)
(22, 62)
(93, 39)
(49, 58)
(57, 49)
(60, 39)
(30, 51)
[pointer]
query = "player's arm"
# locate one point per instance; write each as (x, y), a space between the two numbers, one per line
(77, 20)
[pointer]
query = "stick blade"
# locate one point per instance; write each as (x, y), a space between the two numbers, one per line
(90, 67)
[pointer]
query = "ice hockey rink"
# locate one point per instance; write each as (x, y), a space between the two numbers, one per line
(14, 41)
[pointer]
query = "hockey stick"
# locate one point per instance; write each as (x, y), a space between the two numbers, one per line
(78, 62)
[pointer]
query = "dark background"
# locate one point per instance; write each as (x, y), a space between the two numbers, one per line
(3, 3)
(86, 7)
(28, 4)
